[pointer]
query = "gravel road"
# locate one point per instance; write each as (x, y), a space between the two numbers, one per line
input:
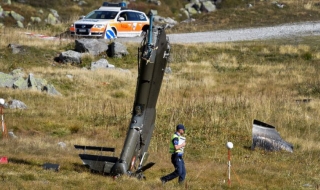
(245, 34)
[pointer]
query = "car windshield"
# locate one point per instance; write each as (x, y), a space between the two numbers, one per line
(102, 15)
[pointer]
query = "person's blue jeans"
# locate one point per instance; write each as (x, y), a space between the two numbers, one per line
(180, 170)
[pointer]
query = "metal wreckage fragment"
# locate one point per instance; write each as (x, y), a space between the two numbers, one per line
(152, 61)
(266, 137)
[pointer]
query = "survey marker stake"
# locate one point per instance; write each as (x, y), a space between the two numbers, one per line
(229, 146)
(3, 125)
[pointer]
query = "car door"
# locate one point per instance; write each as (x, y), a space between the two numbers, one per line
(124, 27)
(138, 20)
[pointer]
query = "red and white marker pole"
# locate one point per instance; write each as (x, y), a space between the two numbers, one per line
(229, 146)
(3, 125)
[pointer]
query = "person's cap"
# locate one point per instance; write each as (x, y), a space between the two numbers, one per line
(180, 126)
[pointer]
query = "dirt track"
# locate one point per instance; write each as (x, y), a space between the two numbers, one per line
(246, 34)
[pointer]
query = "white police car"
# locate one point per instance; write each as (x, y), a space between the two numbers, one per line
(111, 20)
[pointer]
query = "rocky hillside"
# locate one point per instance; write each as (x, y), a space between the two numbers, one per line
(202, 14)
(32, 13)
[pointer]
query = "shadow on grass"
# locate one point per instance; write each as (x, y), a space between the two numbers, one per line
(22, 161)
(85, 168)
(81, 167)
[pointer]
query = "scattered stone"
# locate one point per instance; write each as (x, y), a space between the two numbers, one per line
(188, 20)
(62, 144)
(168, 70)
(12, 135)
(82, 3)
(69, 76)
(36, 19)
(16, 48)
(49, 166)
(16, 104)
(101, 64)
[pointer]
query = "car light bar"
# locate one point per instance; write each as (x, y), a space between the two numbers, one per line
(107, 4)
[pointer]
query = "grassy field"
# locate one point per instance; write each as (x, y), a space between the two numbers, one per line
(215, 90)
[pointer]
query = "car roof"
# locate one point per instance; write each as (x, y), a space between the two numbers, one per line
(117, 9)
(110, 8)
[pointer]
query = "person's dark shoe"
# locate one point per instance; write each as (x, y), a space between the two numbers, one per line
(181, 182)
(163, 181)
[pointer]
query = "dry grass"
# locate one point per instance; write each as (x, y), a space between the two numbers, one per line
(216, 90)
(216, 99)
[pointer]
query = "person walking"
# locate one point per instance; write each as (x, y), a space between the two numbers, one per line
(177, 145)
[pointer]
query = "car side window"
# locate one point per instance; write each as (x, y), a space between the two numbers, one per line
(124, 15)
(92, 15)
(133, 16)
(142, 16)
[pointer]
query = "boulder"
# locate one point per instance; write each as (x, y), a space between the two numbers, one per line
(52, 20)
(16, 16)
(191, 10)
(20, 24)
(55, 13)
(93, 46)
(6, 13)
(101, 64)
(117, 50)
(20, 83)
(18, 73)
(208, 6)
(168, 21)
(1, 12)
(82, 3)
(6, 80)
(15, 80)
(185, 13)
(70, 56)
(6, 2)
(36, 19)
(50, 89)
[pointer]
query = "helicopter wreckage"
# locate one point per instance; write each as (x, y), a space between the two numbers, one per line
(153, 56)
(266, 137)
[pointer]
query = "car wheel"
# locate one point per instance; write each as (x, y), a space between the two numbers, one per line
(144, 30)
(143, 33)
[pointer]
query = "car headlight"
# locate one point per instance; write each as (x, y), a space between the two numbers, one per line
(72, 25)
(99, 26)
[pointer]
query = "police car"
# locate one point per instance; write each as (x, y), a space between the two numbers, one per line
(111, 20)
